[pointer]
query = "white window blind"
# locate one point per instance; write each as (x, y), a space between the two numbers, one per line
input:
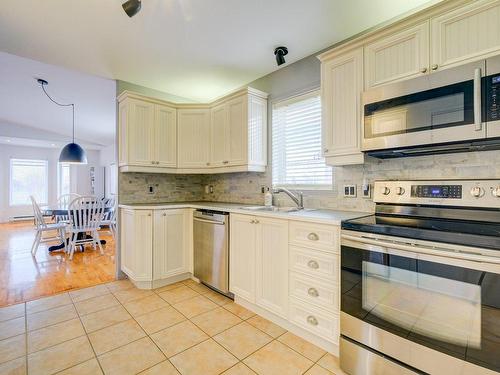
(28, 177)
(296, 133)
(63, 180)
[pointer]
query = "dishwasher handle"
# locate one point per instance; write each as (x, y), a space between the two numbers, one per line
(208, 221)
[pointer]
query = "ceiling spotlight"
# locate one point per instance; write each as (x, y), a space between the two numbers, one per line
(280, 53)
(131, 7)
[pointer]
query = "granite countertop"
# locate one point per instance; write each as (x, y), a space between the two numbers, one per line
(334, 217)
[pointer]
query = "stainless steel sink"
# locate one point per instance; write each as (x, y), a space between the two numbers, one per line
(273, 209)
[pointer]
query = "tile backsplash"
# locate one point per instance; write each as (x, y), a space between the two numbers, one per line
(246, 187)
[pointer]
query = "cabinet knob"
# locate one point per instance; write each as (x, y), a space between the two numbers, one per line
(257, 221)
(326, 150)
(313, 264)
(152, 162)
(423, 70)
(313, 292)
(225, 162)
(313, 237)
(164, 214)
(312, 320)
(149, 214)
(434, 67)
(208, 163)
(252, 222)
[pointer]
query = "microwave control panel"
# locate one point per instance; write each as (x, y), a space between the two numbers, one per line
(492, 97)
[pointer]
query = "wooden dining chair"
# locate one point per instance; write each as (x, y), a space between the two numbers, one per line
(43, 227)
(63, 202)
(85, 214)
(109, 218)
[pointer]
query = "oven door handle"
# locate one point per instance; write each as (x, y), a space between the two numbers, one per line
(477, 100)
(419, 249)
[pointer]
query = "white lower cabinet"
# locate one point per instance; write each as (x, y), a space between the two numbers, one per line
(155, 245)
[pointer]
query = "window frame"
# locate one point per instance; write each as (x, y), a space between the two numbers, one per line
(12, 162)
(60, 167)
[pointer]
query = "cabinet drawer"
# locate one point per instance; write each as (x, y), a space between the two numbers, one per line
(315, 320)
(317, 236)
(314, 291)
(314, 263)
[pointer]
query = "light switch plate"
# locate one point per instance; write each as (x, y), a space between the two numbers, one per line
(350, 191)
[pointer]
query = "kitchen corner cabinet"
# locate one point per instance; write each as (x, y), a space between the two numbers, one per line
(341, 88)
(194, 138)
(155, 245)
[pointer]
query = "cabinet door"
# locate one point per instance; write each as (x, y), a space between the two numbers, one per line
(193, 131)
(272, 265)
(256, 141)
(465, 34)
(123, 136)
(242, 256)
(141, 133)
(341, 87)
(398, 56)
(170, 244)
(165, 138)
(237, 133)
(218, 128)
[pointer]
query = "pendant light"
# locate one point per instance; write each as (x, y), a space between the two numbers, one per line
(72, 153)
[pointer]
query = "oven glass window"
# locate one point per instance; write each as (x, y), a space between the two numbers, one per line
(451, 309)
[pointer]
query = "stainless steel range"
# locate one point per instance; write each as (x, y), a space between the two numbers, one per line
(420, 280)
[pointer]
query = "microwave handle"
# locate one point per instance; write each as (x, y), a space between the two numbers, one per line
(477, 99)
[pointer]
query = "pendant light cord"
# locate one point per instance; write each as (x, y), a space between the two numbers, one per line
(43, 83)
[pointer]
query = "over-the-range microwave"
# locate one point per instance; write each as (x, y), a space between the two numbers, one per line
(454, 110)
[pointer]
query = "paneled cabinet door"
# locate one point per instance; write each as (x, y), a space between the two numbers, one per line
(141, 133)
(465, 34)
(193, 129)
(398, 56)
(242, 257)
(170, 243)
(218, 129)
(341, 87)
(272, 265)
(165, 139)
(237, 131)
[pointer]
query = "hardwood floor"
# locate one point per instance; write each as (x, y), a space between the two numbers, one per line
(23, 277)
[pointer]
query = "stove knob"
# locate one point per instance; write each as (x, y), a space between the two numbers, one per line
(400, 190)
(477, 191)
(386, 190)
(496, 192)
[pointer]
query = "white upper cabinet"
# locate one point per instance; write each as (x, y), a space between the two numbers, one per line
(465, 34)
(219, 125)
(193, 129)
(398, 56)
(238, 126)
(341, 88)
(165, 140)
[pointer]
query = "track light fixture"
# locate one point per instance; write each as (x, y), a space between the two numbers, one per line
(280, 53)
(131, 7)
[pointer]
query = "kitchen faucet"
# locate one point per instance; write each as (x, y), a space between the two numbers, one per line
(297, 198)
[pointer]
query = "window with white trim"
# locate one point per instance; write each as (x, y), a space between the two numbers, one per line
(296, 141)
(63, 179)
(28, 177)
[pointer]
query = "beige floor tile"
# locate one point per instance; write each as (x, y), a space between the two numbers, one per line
(163, 368)
(86, 293)
(197, 287)
(330, 362)
(318, 370)
(60, 357)
(118, 285)
(302, 346)
(265, 325)
(239, 369)
(13, 347)
(11, 312)
(131, 358)
(90, 367)
(14, 367)
(55, 334)
(195, 306)
(178, 294)
(217, 298)
(242, 340)
(216, 321)
(104, 318)
(179, 337)
(48, 303)
(145, 305)
(114, 336)
(239, 311)
(159, 319)
(12, 327)
(94, 304)
(50, 317)
(277, 358)
(128, 295)
(169, 287)
(207, 358)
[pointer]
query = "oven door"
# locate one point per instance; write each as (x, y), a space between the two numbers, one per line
(437, 108)
(430, 307)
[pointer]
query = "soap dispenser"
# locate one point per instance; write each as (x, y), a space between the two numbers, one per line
(268, 198)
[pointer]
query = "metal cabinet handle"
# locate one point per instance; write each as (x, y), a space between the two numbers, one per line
(312, 320)
(225, 162)
(152, 162)
(164, 214)
(313, 237)
(424, 70)
(149, 214)
(257, 221)
(313, 292)
(434, 67)
(326, 150)
(313, 264)
(252, 222)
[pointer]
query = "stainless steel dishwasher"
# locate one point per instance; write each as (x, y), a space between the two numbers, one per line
(211, 249)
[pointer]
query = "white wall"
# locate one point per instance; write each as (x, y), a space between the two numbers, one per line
(108, 162)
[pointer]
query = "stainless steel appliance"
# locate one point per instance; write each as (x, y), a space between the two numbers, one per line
(453, 110)
(420, 280)
(211, 249)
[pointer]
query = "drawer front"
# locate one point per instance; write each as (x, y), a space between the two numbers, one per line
(315, 320)
(316, 236)
(314, 291)
(314, 263)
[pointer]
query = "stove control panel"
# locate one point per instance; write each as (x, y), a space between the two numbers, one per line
(466, 193)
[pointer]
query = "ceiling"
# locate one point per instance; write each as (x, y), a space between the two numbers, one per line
(197, 49)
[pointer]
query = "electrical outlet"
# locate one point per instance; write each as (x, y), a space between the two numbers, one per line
(350, 191)
(367, 191)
